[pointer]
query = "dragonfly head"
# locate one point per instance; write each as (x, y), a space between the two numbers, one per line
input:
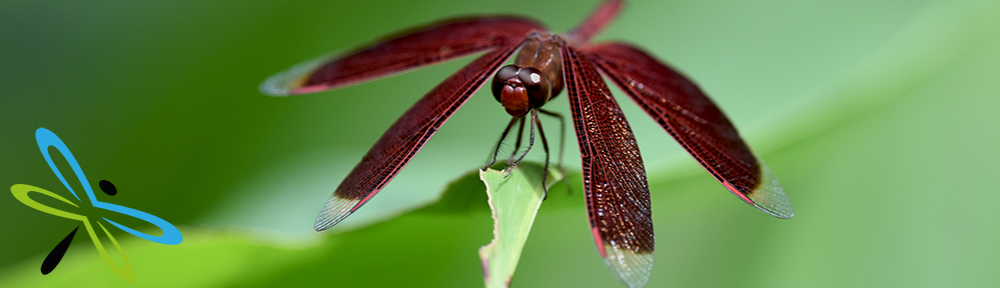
(108, 188)
(520, 89)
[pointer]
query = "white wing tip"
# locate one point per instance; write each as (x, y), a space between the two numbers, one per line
(770, 196)
(630, 267)
(335, 210)
(289, 82)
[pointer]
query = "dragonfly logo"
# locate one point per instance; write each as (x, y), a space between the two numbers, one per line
(46, 139)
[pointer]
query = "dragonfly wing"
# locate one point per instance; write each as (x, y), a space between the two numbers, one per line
(404, 51)
(614, 177)
(684, 111)
(405, 137)
(597, 21)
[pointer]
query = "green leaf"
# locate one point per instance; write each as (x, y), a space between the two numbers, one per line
(514, 200)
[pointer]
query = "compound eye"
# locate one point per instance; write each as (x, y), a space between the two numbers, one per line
(536, 85)
(500, 79)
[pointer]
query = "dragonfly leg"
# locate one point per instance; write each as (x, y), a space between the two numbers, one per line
(496, 150)
(531, 142)
(562, 134)
(562, 142)
(545, 146)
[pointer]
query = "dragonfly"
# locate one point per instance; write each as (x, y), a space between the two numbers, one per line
(46, 139)
(614, 178)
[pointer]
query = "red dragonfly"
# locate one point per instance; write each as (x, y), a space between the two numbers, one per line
(614, 178)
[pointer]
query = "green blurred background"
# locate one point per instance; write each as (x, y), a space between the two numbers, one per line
(877, 116)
